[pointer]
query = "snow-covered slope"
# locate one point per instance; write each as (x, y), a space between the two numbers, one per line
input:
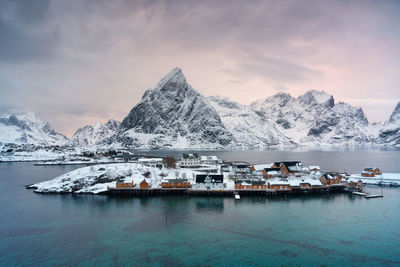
(91, 135)
(95, 179)
(390, 132)
(314, 118)
(172, 114)
(248, 128)
(26, 128)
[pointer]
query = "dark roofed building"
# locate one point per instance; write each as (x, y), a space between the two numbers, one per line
(288, 166)
(190, 155)
(209, 178)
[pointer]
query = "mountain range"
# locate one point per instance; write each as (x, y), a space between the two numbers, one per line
(26, 128)
(174, 115)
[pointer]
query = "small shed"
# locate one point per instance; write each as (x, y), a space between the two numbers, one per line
(305, 185)
(144, 184)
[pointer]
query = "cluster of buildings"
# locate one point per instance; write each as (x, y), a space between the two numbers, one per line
(213, 174)
(193, 160)
(371, 172)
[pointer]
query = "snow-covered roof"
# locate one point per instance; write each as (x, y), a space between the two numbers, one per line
(260, 167)
(294, 168)
(273, 172)
(296, 181)
(208, 158)
(147, 160)
(370, 168)
(277, 182)
(190, 155)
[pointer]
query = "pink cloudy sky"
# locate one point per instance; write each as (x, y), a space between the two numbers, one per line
(78, 62)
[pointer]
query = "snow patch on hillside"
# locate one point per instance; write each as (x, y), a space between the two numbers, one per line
(96, 179)
(26, 128)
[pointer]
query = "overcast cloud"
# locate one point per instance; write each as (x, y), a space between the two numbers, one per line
(77, 62)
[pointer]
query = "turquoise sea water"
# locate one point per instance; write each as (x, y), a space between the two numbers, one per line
(86, 230)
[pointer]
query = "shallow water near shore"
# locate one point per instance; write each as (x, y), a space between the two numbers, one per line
(325, 229)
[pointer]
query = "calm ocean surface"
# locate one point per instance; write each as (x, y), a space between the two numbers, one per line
(86, 230)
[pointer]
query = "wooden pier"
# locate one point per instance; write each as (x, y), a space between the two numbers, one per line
(373, 196)
(221, 192)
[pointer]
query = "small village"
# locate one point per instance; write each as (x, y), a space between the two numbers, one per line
(212, 176)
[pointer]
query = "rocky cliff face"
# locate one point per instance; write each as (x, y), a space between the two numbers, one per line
(248, 128)
(314, 118)
(91, 135)
(390, 132)
(173, 114)
(26, 128)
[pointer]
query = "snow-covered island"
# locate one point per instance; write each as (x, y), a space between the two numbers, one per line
(199, 174)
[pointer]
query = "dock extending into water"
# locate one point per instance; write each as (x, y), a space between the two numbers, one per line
(373, 196)
(220, 192)
(367, 195)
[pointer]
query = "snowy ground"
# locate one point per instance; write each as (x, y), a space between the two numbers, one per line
(386, 179)
(296, 181)
(80, 162)
(57, 157)
(96, 179)
(38, 155)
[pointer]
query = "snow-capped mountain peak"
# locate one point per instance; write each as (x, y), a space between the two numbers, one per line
(91, 135)
(395, 116)
(174, 77)
(390, 132)
(314, 118)
(26, 128)
(248, 128)
(172, 114)
(314, 97)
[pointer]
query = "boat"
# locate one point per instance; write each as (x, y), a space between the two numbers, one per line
(237, 197)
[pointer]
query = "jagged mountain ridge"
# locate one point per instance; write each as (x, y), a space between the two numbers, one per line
(90, 135)
(173, 114)
(390, 132)
(26, 128)
(248, 128)
(315, 118)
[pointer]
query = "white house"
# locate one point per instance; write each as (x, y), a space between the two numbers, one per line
(209, 160)
(190, 160)
(241, 167)
(209, 182)
(151, 162)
